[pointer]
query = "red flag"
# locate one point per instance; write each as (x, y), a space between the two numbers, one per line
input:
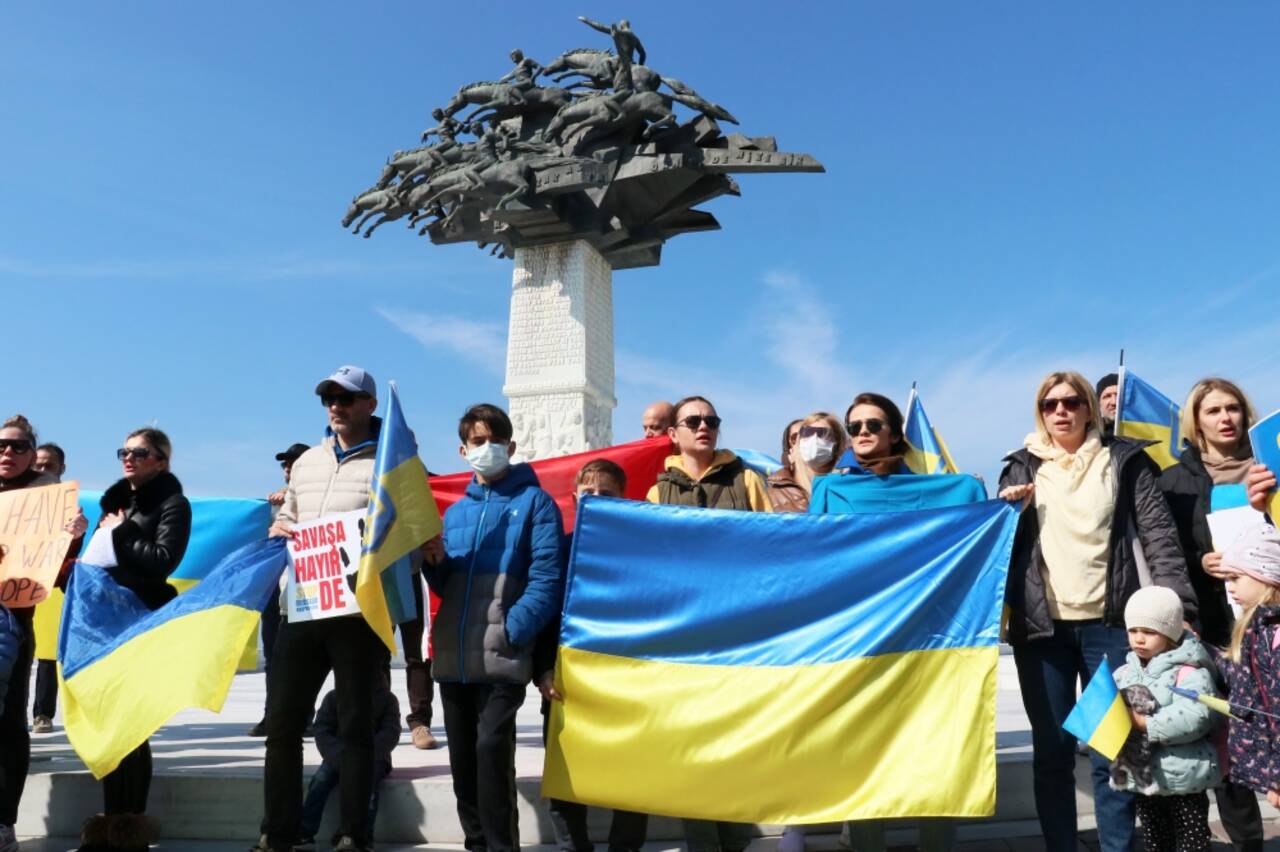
(642, 460)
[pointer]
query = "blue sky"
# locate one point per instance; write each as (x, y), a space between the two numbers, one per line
(1011, 188)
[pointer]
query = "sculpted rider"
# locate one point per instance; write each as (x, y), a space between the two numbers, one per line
(625, 42)
(525, 72)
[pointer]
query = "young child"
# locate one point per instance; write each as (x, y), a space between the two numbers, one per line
(1174, 735)
(386, 714)
(603, 478)
(1253, 666)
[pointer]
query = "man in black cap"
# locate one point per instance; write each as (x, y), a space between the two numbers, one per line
(271, 612)
(1108, 390)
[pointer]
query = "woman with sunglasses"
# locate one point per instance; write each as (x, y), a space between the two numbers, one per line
(150, 523)
(876, 441)
(1091, 508)
(1215, 428)
(810, 448)
(17, 642)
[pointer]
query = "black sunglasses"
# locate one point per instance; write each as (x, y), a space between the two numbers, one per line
(343, 400)
(1070, 403)
(873, 424)
(17, 446)
(693, 421)
(137, 452)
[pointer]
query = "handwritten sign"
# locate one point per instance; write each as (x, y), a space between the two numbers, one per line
(33, 540)
(324, 557)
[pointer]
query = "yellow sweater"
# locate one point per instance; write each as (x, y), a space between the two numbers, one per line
(757, 493)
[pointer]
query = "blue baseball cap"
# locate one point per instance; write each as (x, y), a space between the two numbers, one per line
(350, 378)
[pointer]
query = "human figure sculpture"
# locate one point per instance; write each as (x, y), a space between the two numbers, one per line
(525, 72)
(625, 43)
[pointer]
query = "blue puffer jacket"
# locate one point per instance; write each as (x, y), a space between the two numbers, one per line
(500, 583)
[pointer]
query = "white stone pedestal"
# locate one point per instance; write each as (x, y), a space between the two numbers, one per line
(560, 351)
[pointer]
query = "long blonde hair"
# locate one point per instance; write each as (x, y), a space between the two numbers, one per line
(1271, 598)
(1189, 418)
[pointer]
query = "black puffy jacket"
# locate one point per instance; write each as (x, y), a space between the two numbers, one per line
(151, 541)
(1141, 515)
(1188, 488)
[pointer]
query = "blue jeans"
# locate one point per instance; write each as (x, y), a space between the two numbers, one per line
(324, 782)
(1048, 673)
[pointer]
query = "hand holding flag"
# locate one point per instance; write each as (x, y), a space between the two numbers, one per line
(1101, 718)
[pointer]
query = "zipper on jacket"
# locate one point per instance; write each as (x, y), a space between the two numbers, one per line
(466, 597)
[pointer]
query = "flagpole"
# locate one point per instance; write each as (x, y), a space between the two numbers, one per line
(1120, 393)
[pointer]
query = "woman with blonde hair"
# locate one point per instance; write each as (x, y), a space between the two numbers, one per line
(812, 447)
(1215, 433)
(1091, 508)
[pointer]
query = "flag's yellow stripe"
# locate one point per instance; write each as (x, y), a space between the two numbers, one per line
(1150, 432)
(897, 735)
(141, 684)
(1108, 738)
(373, 605)
(249, 656)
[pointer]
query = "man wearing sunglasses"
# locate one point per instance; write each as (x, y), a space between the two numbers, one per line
(700, 475)
(332, 476)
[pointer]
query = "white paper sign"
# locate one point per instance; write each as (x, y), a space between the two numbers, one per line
(101, 550)
(324, 557)
(1227, 525)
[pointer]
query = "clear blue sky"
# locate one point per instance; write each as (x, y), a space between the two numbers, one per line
(1010, 188)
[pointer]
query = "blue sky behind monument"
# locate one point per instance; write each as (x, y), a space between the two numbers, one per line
(1009, 189)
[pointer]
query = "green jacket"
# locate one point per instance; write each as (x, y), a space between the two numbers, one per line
(1184, 756)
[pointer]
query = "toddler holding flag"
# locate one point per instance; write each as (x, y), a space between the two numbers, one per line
(1182, 761)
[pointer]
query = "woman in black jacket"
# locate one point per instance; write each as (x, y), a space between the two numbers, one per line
(150, 523)
(1095, 528)
(1215, 428)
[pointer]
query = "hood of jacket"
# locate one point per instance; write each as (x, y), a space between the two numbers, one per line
(149, 497)
(1189, 652)
(720, 459)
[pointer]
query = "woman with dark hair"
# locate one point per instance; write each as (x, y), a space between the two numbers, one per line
(17, 642)
(1215, 428)
(1091, 509)
(150, 523)
(876, 440)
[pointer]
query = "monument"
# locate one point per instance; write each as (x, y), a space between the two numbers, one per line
(572, 181)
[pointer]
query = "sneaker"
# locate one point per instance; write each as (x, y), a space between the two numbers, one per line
(306, 843)
(8, 841)
(259, 730)
(422, 738)
(265, 845)
(42, 725)
(348, 844)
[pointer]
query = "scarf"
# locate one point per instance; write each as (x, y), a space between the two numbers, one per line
(1229, 470)
(1076, 464)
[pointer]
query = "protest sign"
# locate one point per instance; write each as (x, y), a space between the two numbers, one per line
(1265, 438)
(33, 540)
(324, 557)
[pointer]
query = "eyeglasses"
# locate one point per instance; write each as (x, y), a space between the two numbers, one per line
(17, 446)
(873, 424)
(342, 400)
(818, 431)
(1070, 403)
(138, 453)
(693, 421)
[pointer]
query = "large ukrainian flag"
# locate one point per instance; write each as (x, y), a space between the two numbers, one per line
(402, 515)
(125, 670)
(927, 451)
(1148, 415)
(780, 668)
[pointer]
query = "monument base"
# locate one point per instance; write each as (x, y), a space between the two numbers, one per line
(560, 351)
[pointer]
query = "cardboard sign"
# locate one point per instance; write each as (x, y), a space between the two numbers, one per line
(324, 557)
(33, 541)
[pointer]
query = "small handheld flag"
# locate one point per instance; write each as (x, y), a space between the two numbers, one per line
(1221, 705)
(927, 451)
(1100, 718)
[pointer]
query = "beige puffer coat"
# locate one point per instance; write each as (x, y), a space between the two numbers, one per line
(320, 485)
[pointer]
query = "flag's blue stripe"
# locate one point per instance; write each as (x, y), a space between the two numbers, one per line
(741, 588)
(1144, 404)
(1098, 696)
(398, 445)
(100, 616)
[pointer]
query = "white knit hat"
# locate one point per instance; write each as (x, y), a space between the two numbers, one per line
(1256, 553)
(1155, 608)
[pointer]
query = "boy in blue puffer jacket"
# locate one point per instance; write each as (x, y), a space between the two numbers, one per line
(1170, 759)
(498, 572)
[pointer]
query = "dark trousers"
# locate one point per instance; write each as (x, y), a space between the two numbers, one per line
(704, 835)
(304, 653)
(1241, 816)
(45, 702)
(1175, 823)
(1049, 671)
(17, 646)
(480, 722)
(125, 788)
(270, 627)
(323, 783)
(417, 671)
(627, 830)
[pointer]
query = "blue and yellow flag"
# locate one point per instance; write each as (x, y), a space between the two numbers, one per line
(1100, 718)
(125, 670)
(746, 675)
(927, 451)
(1148, 415)
(402, 515)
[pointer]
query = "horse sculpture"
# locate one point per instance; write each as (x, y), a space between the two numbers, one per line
(503, 101)
(598, 66)
(606, 113)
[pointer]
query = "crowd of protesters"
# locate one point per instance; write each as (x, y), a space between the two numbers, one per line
(1112, 560)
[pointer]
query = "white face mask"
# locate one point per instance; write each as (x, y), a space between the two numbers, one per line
(816, 450)
(488, 459)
